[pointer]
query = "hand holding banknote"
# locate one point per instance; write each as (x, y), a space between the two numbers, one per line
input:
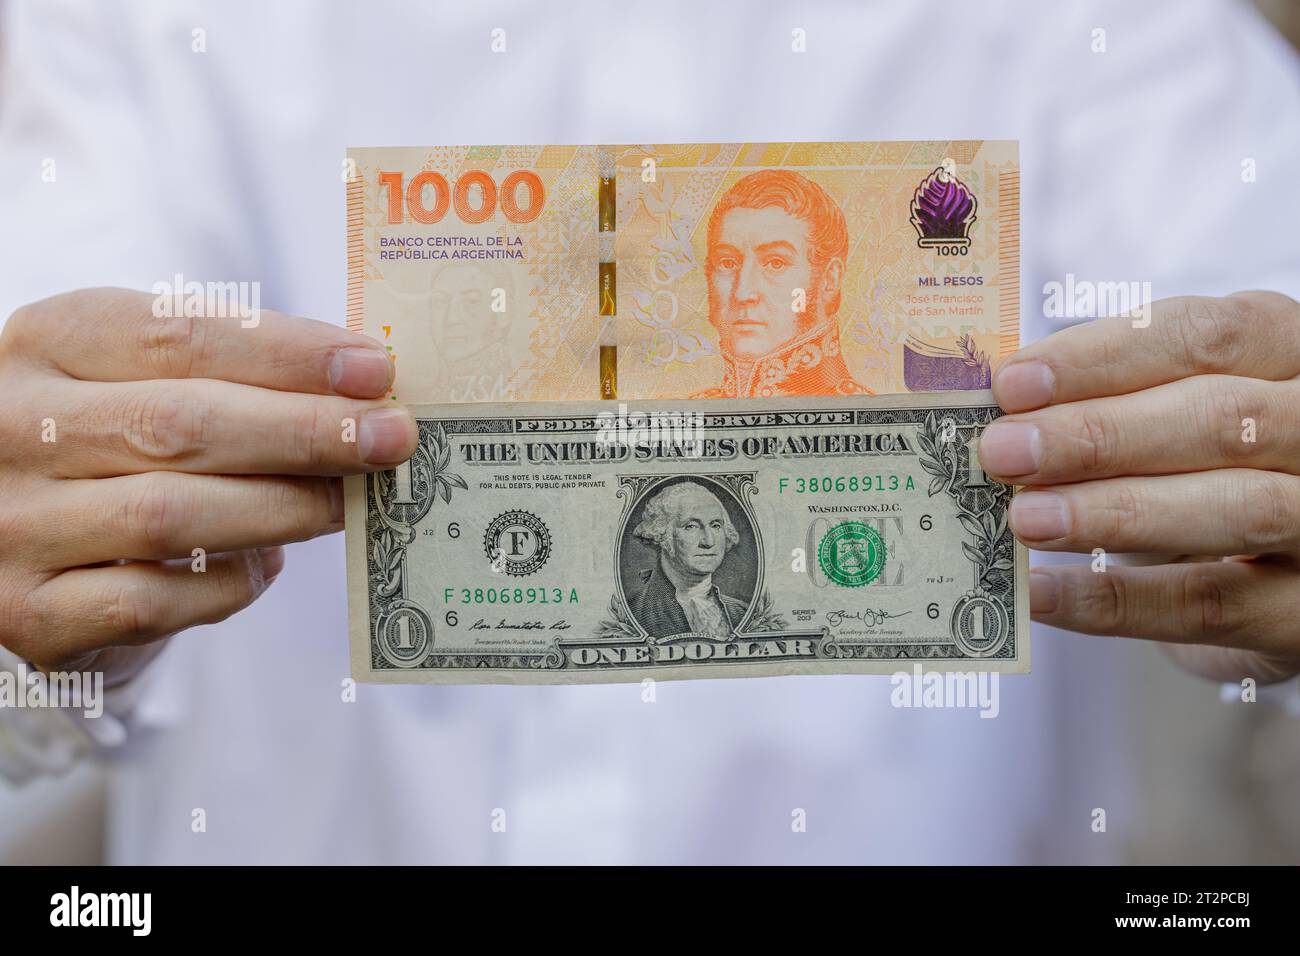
(1143, 438)
(153, 465)
(1180, 437)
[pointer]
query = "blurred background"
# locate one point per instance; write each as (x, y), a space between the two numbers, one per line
(1217, 781)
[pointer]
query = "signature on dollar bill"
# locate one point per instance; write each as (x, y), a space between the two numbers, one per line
(869, 617)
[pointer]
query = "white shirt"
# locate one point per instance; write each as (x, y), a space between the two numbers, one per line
(226, 164)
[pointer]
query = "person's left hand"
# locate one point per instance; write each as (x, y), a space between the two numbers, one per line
(1181, 438)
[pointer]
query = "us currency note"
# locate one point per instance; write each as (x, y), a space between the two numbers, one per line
(571, 542)
(524, 273)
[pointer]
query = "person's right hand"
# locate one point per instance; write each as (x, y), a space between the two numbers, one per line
(128, 441)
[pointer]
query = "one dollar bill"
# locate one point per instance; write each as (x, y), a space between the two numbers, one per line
(572, 542)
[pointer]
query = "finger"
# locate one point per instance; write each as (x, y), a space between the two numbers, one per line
(1253, 334)
(1198, 423)
(164, 514)
(115, 335)
(1225, 512)
(1232, 664)
(203, 425)
(89, 609)
(1250, 605)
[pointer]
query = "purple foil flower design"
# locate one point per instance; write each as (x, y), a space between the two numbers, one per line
(931, 367)
(943, 210)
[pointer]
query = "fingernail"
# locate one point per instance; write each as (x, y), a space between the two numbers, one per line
(1039, 515)
(1011, 449)
(363, 373)
(1022, 386)
(1044, 592)
(272, 562)
(385, 436)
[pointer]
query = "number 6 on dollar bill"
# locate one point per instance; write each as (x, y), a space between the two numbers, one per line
(574, 542)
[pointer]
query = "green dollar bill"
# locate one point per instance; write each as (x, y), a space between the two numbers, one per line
(573, 542)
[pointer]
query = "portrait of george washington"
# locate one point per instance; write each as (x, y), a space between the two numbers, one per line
(690, 534)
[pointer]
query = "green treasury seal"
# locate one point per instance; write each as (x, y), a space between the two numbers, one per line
(851, 554)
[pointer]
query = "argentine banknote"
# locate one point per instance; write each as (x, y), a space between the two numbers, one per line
(559, 542)
(524, 273)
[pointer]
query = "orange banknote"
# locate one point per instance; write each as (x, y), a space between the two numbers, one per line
(518, 273)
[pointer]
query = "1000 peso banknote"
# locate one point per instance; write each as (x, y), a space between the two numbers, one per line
(594, 541)
(523, 273)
